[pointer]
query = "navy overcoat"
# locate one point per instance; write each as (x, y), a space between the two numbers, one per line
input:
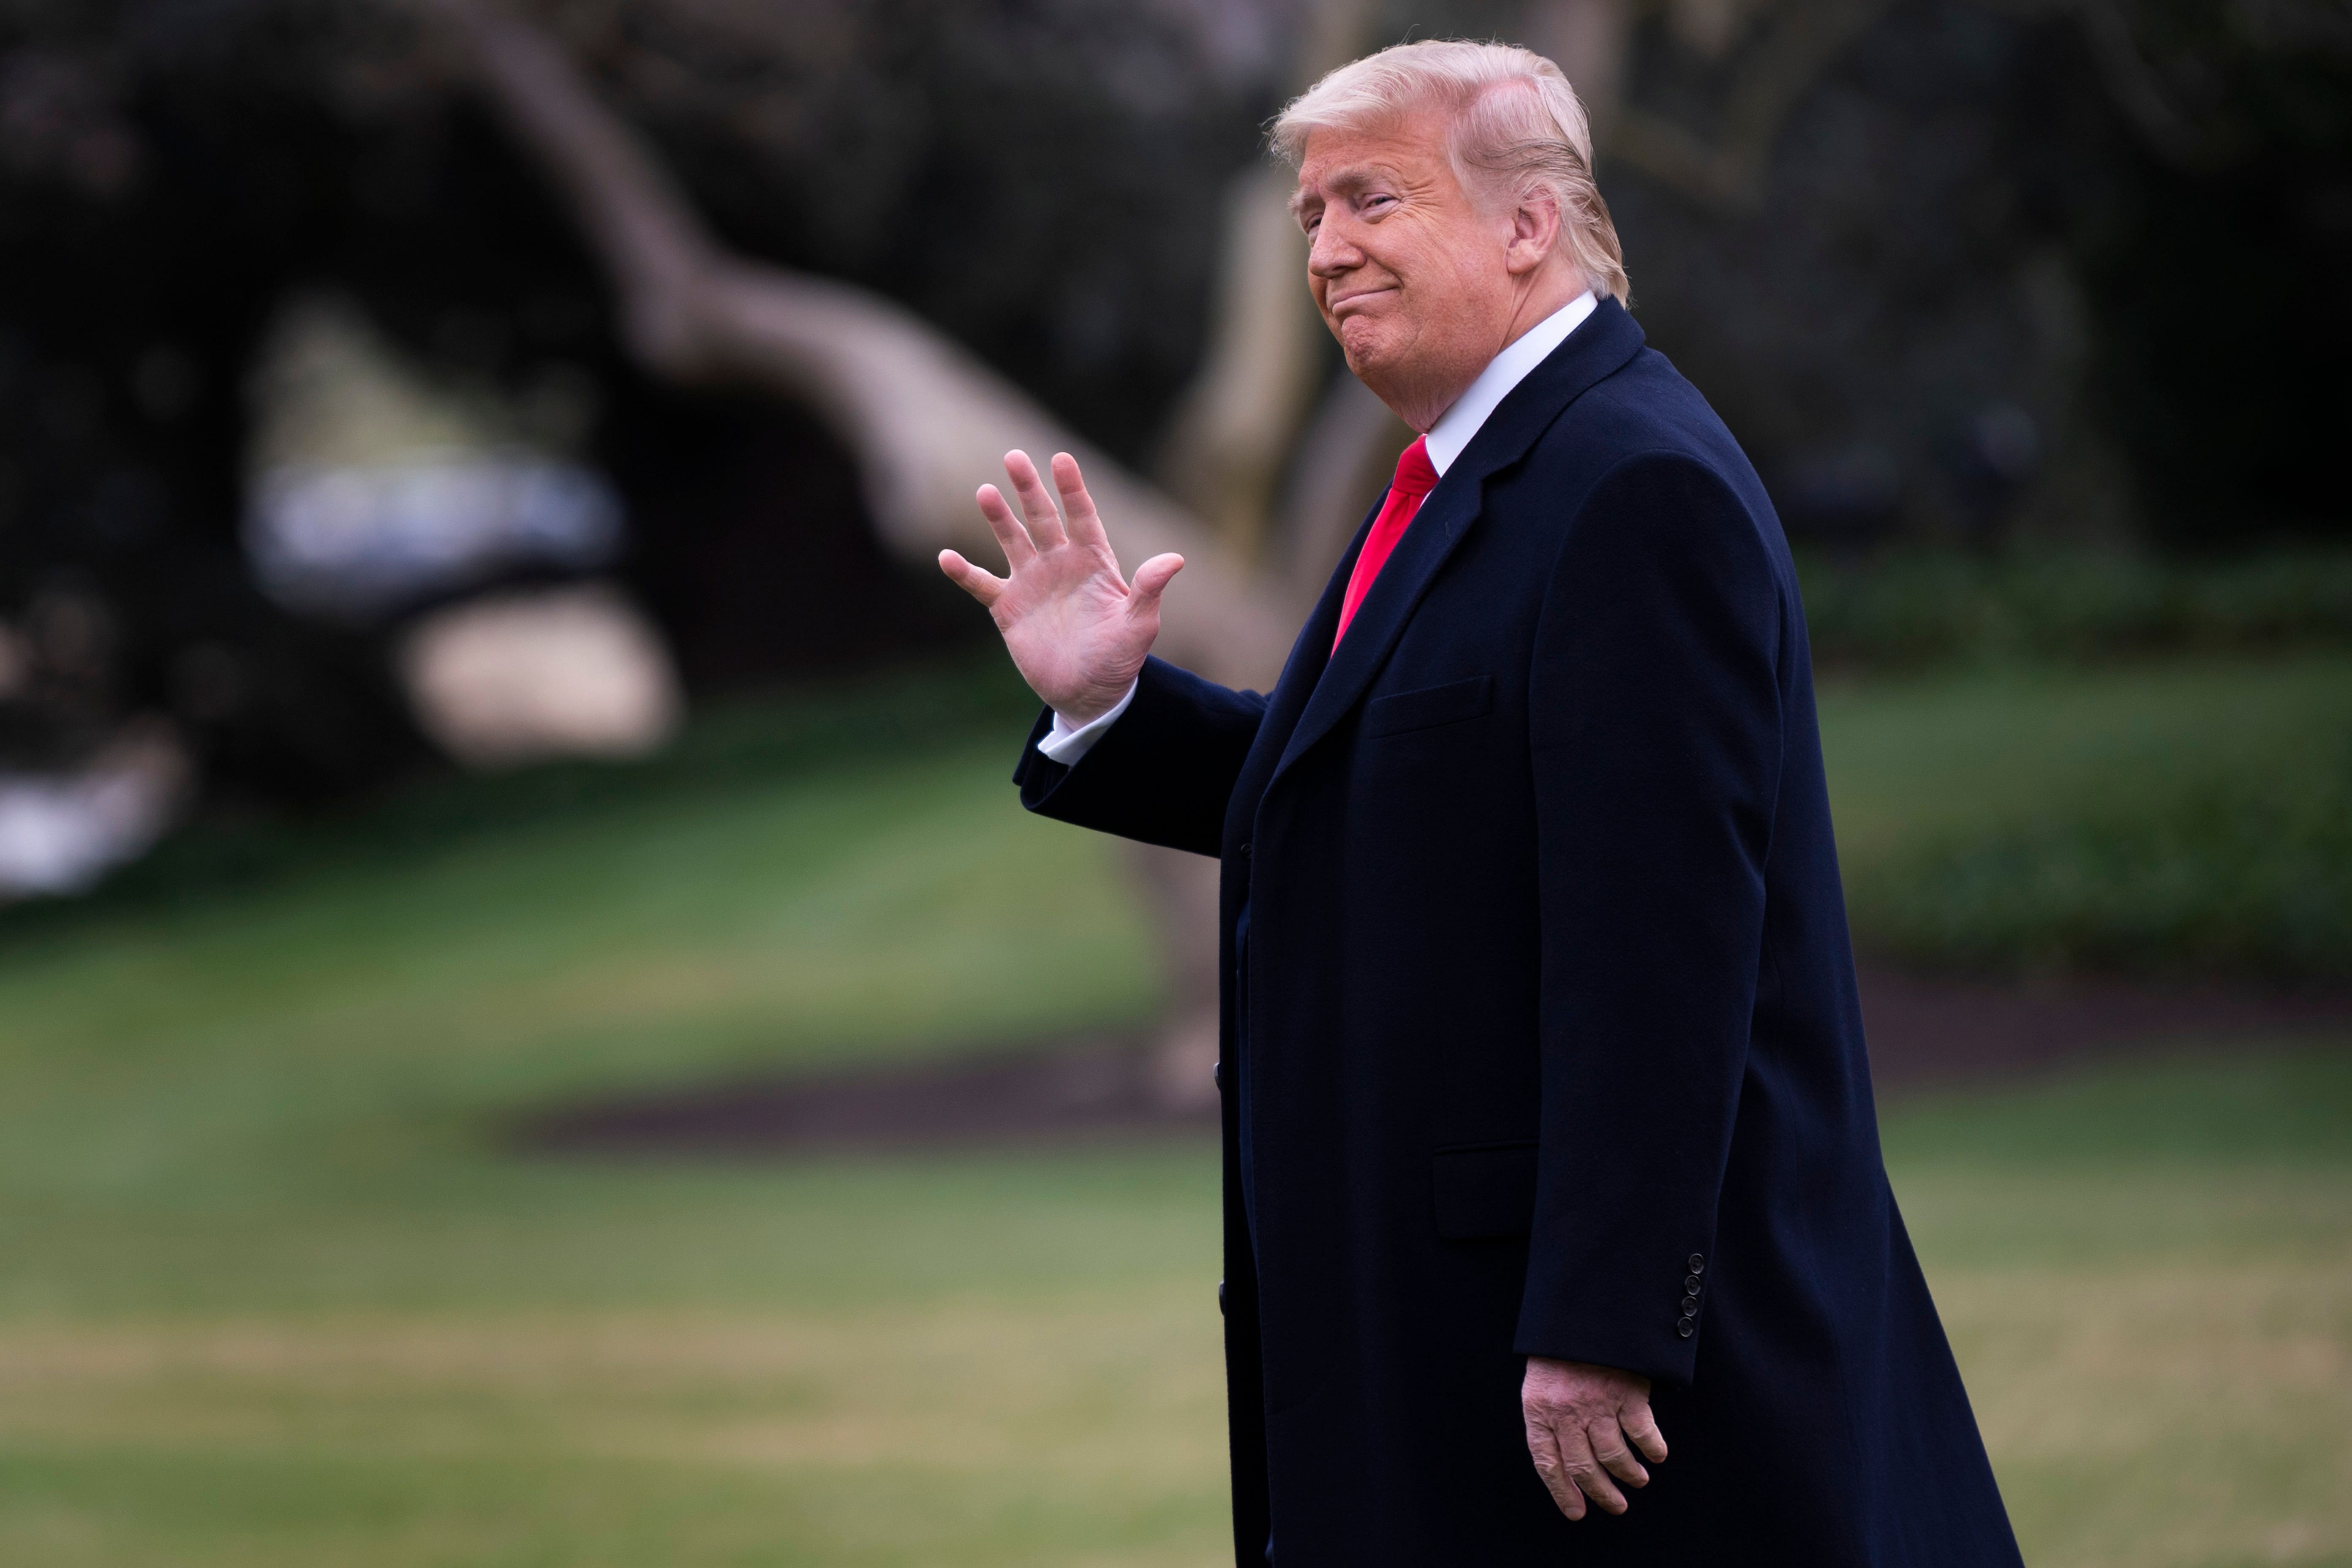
(1540, 1029)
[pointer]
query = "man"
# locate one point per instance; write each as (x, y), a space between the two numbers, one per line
(1549, 1134)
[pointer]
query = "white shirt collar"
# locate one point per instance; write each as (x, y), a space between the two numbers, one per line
(1457, 425)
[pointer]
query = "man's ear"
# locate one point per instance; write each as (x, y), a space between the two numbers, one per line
(1535, 233)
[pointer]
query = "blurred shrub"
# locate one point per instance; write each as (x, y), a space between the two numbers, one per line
(2245, 873)
(1920, 606)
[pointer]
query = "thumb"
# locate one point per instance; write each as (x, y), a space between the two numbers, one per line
(1151, 581)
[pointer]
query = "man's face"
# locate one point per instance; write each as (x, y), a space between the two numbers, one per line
(1409, 269)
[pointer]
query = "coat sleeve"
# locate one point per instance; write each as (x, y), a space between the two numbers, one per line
(1655, 719)
(1161, 773)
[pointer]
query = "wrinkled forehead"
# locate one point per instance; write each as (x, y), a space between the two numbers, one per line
(1411, 144)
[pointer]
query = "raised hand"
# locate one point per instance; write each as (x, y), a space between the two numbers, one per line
(1076, 628)
(1583, 1424)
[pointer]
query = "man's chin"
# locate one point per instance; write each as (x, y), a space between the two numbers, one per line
(1371, 356)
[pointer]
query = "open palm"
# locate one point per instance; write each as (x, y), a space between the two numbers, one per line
(1075, 627)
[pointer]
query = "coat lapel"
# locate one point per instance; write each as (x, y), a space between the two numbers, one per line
(1599, 347)
(1300, 673)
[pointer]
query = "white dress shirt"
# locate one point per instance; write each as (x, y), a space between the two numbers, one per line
(1446, 440)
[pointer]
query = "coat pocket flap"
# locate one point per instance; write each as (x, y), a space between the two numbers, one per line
(1431, 705)
(1484, 1190)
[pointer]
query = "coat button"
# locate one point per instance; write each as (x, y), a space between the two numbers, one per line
(1217, 1074)
(1245, 849)
(1698, 1264)
(1690, 1306)
(1221, 1298)
(1690, 1285)
(1685, 1328)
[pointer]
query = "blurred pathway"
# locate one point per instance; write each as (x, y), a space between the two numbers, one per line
(1092, 1085)
(1922, 1032)
(1933, 1031)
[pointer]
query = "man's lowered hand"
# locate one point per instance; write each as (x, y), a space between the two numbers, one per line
(1584, 1424)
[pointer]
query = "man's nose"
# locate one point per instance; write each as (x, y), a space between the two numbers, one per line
(1331, 252)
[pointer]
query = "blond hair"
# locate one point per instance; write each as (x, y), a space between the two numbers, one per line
(1516, 124)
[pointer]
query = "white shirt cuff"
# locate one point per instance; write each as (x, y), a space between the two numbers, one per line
(1066, 746)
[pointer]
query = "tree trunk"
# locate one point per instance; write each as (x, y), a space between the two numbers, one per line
(1233, 432)
(1236, 436)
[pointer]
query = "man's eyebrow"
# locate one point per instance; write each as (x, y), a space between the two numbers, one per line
(1353, 178)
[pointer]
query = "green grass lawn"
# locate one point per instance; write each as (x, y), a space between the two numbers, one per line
(275, 1288)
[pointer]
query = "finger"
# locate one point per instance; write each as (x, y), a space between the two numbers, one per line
(1642, 1427)
(1576, 1452)
(1616, 1455)
(1543, 1446)
(980, 585)
(1152, 581)
(1036, 501)
(1085, 522)
(1019, 548)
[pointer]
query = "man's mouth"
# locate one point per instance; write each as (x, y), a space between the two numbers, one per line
(1358, 297)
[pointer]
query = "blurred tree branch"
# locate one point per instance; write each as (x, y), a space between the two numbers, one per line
(926, 420)
(1780, 48)
(1796, 41)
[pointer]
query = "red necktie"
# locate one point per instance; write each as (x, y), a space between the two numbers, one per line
(1415, 477)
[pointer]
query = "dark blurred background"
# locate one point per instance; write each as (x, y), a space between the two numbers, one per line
(1967, 277)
